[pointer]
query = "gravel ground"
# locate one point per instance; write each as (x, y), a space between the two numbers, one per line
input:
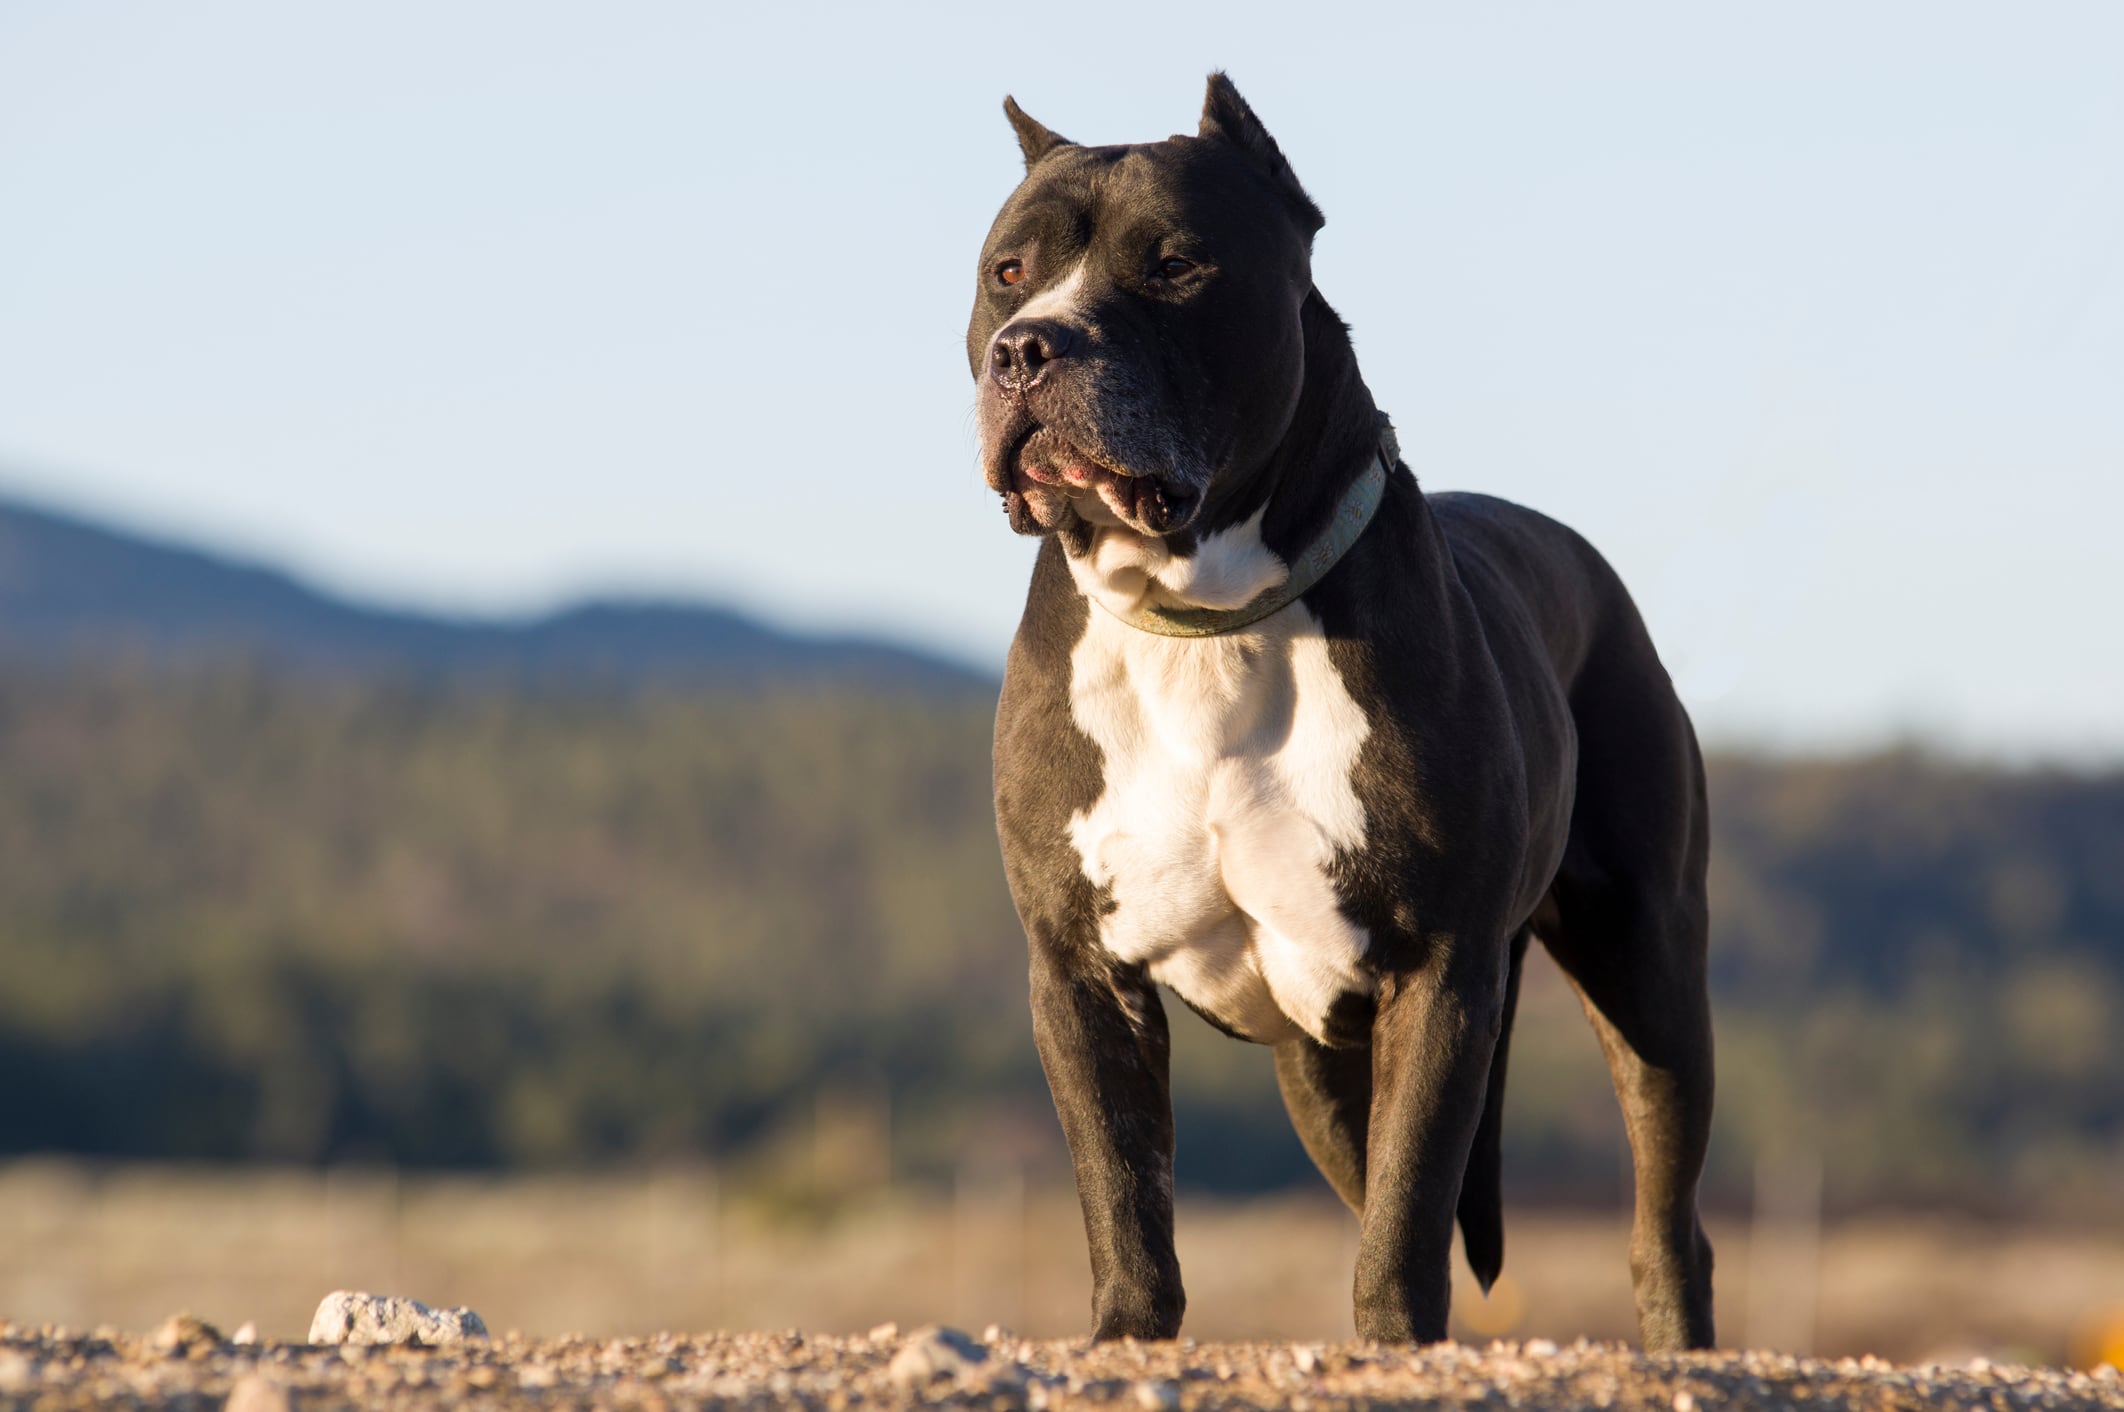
(189, 1364)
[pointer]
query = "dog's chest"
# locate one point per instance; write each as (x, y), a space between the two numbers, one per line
(1227, 791)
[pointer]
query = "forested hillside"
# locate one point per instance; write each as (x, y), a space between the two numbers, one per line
(248, 913)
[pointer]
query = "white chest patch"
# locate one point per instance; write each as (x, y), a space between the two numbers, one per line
(1228, 764)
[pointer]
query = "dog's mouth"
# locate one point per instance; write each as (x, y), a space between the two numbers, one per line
(1050, 479)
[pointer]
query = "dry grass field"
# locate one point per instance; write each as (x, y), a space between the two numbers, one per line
(676, 1250)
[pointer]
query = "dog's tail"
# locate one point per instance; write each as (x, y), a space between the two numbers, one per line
(1482, 1186)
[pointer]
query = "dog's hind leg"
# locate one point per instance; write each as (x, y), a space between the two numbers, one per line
(1661, 1067)
(1481, 1207)
(1626, 919)
(1328, 1093)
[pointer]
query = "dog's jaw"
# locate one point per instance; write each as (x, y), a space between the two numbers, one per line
(1053, 479)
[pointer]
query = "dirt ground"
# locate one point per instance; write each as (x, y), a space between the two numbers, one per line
(185, 1365)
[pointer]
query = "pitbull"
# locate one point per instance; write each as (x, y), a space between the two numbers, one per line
(1313, 749)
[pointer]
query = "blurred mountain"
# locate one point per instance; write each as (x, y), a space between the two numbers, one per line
(72, 591)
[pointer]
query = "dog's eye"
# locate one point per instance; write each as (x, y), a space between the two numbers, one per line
(1172, 267)
(1010, 272)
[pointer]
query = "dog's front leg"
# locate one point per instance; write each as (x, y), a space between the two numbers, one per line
(1103, 1043)
(1432, 1039)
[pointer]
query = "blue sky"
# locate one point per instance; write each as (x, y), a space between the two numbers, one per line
(1811, 316)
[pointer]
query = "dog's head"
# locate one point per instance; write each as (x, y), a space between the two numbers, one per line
(1135, 339)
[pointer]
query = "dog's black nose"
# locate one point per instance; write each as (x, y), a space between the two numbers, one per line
(1023, 348)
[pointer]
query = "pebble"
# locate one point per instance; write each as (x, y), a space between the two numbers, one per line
(181, 1333)
(1157, 1396)
(353, 1317)
(256, 1393)
(1307, 1359)
(935, 1352)
(246, 1332)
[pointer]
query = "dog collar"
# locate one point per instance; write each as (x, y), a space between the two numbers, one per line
(1310, 567)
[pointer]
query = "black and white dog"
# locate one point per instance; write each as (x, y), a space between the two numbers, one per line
(1315, 750)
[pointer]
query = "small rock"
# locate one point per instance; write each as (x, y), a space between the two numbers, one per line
(2108, 1373)
(351, 1317)
(1684, 1401)
(255, 1393)
(246, 1332)
(884, 1333)
(17, 1373)
(934, 1352)
(1539, 1348)
(1000, 1380)
(180, 1333)
(1157, 1396)
(1307, 1359)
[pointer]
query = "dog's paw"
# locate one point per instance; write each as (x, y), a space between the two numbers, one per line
(1145, 1315)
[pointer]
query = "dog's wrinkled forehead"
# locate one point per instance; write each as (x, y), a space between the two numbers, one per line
(1105, 200)
(1224, 200)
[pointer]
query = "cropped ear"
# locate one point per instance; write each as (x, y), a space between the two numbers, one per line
(1034, 139)
(1226, 117)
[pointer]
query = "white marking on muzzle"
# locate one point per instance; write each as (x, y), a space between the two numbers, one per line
(1057, 301)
